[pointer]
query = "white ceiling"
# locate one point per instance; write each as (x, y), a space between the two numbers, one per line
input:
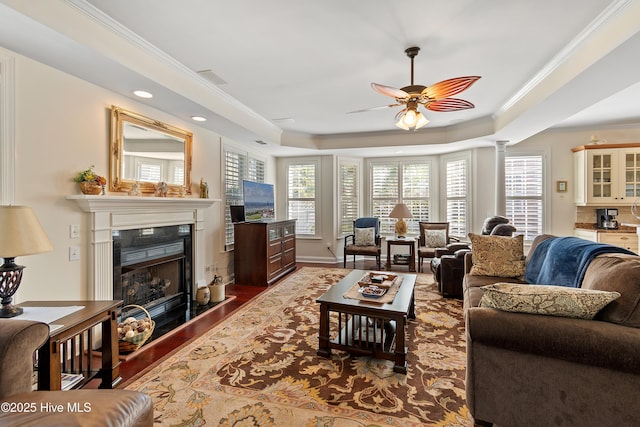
(292, 71)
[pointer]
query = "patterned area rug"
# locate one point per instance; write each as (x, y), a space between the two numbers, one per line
(260, 368)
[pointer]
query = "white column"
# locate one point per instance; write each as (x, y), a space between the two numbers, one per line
(501, 200)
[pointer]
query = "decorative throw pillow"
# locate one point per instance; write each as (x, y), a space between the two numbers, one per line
(435, 238)
(546, 299)
(498, 256)
(365, 236)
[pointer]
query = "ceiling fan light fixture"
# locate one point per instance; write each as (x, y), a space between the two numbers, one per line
(402, 125)
(409, 118)
(421, 121)
(436, 97)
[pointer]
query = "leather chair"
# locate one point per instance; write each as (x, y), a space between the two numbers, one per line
(353, 247)
(447, 265)
(19, 339)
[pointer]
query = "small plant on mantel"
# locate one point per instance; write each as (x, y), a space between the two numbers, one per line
(90, 182)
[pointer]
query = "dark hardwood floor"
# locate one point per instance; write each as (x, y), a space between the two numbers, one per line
(147, 355)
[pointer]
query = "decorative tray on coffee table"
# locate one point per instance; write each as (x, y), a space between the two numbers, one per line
(376, 284)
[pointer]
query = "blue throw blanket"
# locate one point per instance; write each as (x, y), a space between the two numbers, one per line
(563, 261)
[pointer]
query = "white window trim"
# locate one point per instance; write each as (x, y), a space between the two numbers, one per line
(444, 159)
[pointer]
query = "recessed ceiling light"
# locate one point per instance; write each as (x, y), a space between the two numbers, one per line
(142, 94)
(198, 118)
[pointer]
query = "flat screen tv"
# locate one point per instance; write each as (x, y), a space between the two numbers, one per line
(259, 201)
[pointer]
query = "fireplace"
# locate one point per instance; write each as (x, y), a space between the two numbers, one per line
(152, 268)
(111, 214)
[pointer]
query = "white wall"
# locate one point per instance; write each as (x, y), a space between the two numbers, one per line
(62, 127)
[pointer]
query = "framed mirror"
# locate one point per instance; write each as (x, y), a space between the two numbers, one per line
(146, 151)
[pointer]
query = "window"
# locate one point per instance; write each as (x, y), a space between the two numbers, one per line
(400, 182)
(149, 172)
(237, 167)
(301, 196)
(524, 191)
(456, 174)
(349, 191)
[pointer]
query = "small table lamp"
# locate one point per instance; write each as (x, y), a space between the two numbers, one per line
(401, 211)
(22, 234)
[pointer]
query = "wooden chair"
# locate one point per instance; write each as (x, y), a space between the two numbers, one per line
(429, 251)
(353, 245)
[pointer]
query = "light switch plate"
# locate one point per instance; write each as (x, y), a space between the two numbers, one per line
(74, 231)
(74, 253)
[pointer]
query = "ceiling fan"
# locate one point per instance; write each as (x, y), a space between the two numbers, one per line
(435, 97)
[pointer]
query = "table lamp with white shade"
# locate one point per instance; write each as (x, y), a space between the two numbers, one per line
(401, 211)
(22, 234)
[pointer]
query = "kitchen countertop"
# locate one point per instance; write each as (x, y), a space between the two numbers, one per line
(623, 228)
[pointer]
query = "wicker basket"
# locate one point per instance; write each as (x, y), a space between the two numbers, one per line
(129, 345)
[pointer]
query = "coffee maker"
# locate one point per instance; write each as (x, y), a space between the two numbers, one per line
(606, 218)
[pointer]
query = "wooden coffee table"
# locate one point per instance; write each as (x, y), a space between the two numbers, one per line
(367, 327)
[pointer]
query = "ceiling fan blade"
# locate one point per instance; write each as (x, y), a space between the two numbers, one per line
(364, 110)
(389, 91)
(449, 104)
(449, 87)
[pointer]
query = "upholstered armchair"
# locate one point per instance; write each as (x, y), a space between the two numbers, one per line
(364, 241)
(433, 235)
(19, 339)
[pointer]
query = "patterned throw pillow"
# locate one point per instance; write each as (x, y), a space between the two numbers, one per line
(435, 238)
(546, 299)
(365, 236)
(498, 256)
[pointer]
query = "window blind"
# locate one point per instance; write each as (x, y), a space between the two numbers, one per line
(400, 182)
(524, 194)
(349, 195)
(456, 195)
(237, 167)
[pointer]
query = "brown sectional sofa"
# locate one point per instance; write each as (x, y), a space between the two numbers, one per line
(19, 339)
(540, 370)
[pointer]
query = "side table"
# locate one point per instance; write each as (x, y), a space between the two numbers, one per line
(69, 348)
(412, 252)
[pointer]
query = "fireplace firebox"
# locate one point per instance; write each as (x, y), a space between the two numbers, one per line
(152, 268)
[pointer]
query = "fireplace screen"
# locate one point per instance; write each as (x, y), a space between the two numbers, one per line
(152, 267)
(154, 283)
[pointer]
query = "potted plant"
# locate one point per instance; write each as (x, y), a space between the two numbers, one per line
(90, 182)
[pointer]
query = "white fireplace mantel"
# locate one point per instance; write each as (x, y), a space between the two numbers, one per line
(111, 213)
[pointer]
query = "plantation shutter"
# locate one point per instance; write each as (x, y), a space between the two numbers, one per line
(456, 188)
(237, 167)
(385, 182)
(349, 196)
(524, 194)
(399, 182)
(415, 193)
(149, 172)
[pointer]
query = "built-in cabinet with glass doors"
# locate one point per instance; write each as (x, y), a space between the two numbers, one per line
(607, 174)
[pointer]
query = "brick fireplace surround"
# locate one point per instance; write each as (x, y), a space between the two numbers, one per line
(109, 213)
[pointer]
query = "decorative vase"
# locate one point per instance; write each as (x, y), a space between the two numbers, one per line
(216, 289)
(88, 187)
(203, 295)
